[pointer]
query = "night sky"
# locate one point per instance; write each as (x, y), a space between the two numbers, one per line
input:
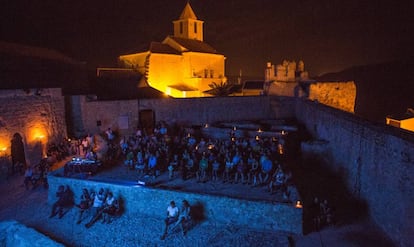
(329, 35)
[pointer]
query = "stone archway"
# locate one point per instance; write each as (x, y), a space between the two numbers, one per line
(17, 154)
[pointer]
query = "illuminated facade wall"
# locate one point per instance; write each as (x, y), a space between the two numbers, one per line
(339, 95)
(39, 117)
(182, 67)
(407, 124)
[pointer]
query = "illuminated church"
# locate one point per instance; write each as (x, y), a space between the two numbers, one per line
(182, 65)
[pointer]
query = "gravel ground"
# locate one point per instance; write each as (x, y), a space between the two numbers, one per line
(30, 208)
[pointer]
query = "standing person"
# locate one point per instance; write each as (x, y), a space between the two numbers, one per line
(172, 217)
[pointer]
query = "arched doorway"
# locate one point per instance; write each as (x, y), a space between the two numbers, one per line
(17, 154)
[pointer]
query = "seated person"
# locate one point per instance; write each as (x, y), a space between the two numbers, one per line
(278, 182)
(140, 165)
(267, 166)
(110, 208)
(202, 172)
(172, 166)
(152, 165)
(184, 217)
(172, 217)
(253, 164)
(228, 170)
(65, 199)
(97, 206)
(240, 171)
(216, 168)
(190, 164)
(84, 204)
(129, 160)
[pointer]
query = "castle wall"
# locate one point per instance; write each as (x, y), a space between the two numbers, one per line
(221, 210)
(279, 88)
(38, 116)
(97, 116)
(340, 95)
(195, 111)
(376, 161)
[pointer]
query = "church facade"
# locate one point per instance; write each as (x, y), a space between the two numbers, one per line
(182, 65)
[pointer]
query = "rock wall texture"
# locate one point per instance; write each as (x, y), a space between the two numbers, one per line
(223, 210)
(283, 88)
(339, 95)
(38, 116)
(376, 161)
(13, 233)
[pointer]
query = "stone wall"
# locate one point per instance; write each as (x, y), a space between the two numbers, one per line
(376, 161)
(195, 111)
(340, 95)
(37, 115)
(222, 210)
(283, 89)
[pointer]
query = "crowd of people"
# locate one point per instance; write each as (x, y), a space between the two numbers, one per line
(252, 161)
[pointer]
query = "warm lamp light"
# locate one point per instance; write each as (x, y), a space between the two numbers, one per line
(39, 137)
(37, 134)
(280, 148)
(298, 204)
(3, 150)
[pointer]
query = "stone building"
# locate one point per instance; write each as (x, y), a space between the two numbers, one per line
(32, 102)
(182, 65)
(291, 79)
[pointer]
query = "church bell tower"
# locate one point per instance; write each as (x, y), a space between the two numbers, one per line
(187, 26)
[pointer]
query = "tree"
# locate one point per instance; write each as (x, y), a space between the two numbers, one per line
(221, 89)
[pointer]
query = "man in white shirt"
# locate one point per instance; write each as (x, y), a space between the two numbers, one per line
(172, 217)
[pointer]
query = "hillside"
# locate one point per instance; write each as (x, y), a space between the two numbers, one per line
(382, 89)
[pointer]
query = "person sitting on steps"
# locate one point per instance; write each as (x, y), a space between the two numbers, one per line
(98, 201)
(65, 199)
(85, 204)
(110, 208)
(184, 217)
(172, 217)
